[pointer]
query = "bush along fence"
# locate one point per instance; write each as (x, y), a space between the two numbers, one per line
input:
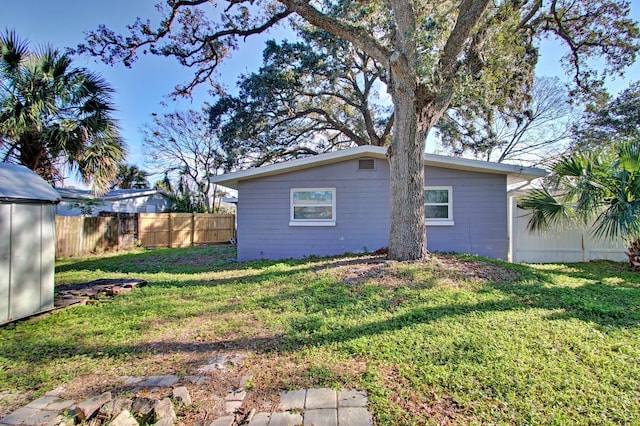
(77, 235)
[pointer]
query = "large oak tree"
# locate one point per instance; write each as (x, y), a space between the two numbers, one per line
(315, 95)
(433, 53)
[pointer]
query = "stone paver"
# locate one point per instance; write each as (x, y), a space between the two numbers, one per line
(285, 419)
(197, 380)
(292, 399)
(354, 416)
(130, 381)
(223, 421)
(159, 381)
(41, 403)
(260, 419)
(308, 407)
(20, 416)
(168, 380)
(321, 417)
(61, 405)
(232, 406)
(43, 416)
(352, 398)
(321, 398)
(343, 408)
(238, 395)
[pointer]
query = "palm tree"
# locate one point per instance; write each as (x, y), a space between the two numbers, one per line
(130, 177)
(598, 187)
(54, 115)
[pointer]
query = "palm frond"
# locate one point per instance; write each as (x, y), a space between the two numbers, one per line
(546, 210)
(13, 51)
(621, 219)
(629, 156)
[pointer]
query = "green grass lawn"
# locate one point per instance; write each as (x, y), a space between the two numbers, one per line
(459, 340)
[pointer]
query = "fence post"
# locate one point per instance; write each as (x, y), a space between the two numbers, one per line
(193, 229)
(171, 221)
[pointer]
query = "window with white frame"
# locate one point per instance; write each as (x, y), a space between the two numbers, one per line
(313, 207)
(438, 206)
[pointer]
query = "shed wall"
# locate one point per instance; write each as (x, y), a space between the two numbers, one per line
(363, 213)
(27, 252)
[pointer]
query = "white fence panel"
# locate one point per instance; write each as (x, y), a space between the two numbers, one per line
(570, 244)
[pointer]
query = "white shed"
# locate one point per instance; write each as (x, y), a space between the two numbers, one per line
(27, 242)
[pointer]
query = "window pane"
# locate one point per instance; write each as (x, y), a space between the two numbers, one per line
(436, 196)
(318, 213)
(312, 197)
(436, 212)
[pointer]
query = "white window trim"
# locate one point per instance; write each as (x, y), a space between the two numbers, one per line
(312, 222)
(442, 222)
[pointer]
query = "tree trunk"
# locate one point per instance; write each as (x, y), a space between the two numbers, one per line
(634, 255)
(407, 237)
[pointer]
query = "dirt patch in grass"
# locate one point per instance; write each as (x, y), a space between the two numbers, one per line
(388, 273)
(439, 409)
(456, 268)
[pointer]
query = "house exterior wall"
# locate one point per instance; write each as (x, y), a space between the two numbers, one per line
(363, 213)
(479, 213)
(27, 251)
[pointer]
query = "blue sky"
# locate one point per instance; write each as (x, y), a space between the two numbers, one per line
(142, 89)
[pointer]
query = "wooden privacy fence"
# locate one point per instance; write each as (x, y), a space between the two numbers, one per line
(76, 235)
(184, 229)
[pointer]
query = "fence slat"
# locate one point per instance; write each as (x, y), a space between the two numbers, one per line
(77, 235)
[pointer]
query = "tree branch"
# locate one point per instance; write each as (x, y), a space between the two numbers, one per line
(355, 35)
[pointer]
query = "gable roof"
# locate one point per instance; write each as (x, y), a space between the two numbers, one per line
(514, 173)
(18, 183)
(113, 195)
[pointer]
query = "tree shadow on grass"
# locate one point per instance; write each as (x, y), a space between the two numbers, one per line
(188, 260)
(589, 298)
(593, 300)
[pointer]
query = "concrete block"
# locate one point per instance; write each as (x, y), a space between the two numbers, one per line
(20, 416)
(352, 398)
(321, 417)
(321, 398)
(285, 419)
(260, 419)
(290, 400)
(41, 403)
(354, 416)
(223, 421)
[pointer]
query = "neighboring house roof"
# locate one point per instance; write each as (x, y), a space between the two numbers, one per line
(113, 195)
(18, 183)
(514, 173)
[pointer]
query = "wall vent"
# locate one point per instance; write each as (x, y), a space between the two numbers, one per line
(366, 164)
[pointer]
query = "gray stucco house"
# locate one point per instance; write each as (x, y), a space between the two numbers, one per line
(339, 202)
(116, 200)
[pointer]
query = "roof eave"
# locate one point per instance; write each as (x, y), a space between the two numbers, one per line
(514, 173)
(134, 195)
(231, 180)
